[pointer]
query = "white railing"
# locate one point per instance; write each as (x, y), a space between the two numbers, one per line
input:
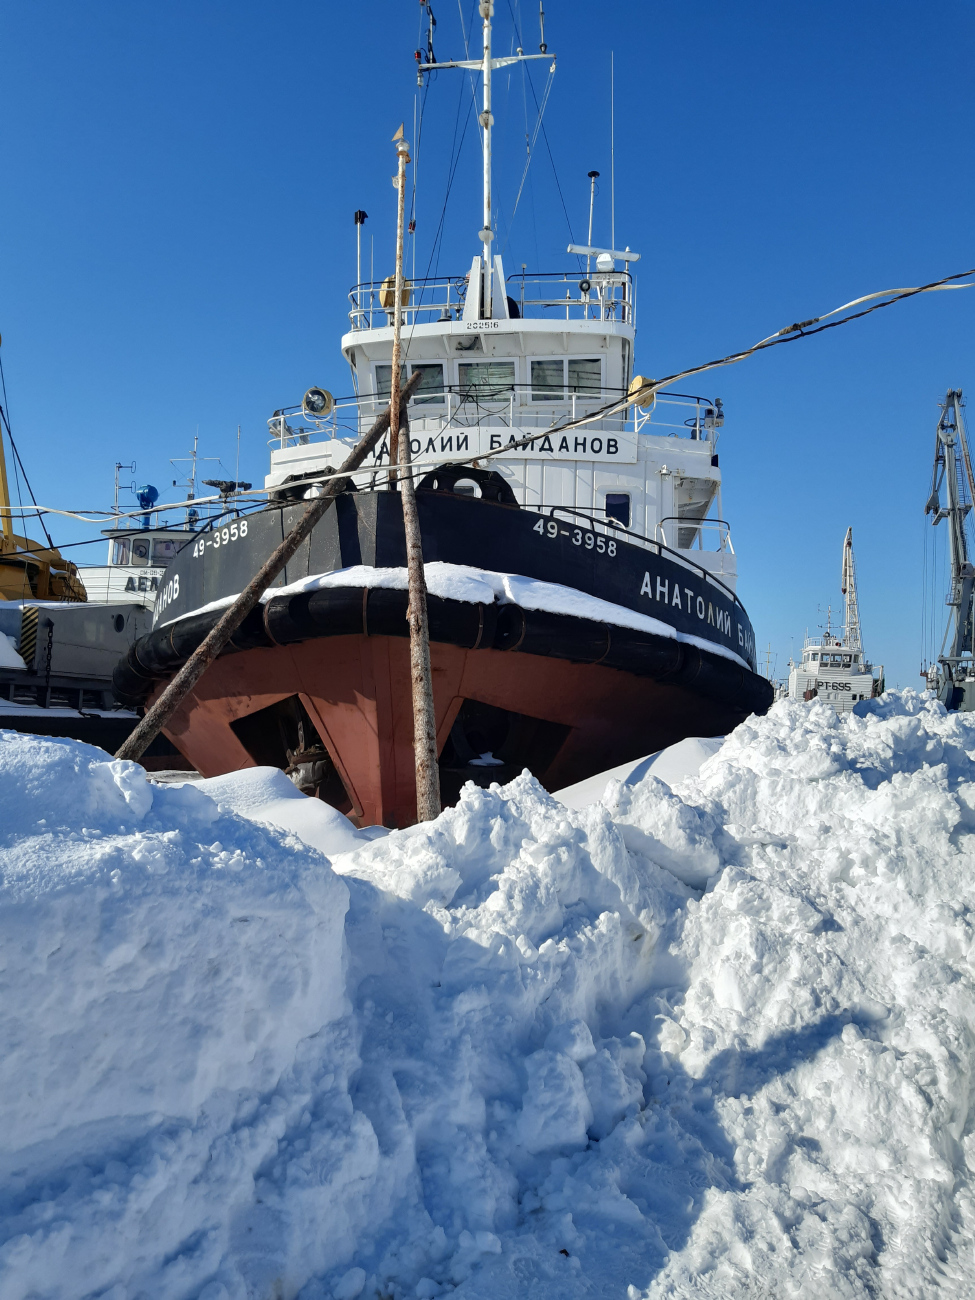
(452, 408)
(555, 295)
(612, 528)
(683, 533)
(677, 416)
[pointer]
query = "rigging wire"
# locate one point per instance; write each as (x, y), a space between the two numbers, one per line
(555, 173)
(528, 149)
(540, 110)
(456, 149)
(17, 461)
(789, 334)
(531, 147)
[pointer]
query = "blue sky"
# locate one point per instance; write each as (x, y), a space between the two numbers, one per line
(176, 238)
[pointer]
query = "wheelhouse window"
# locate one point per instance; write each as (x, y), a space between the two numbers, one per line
(581, 375)
(384, 380)
(618, 507)
(163, 550)
(120, 551)
(486, 381)
(584, 376)
(140, 550)
(548, 381)
(430, 391)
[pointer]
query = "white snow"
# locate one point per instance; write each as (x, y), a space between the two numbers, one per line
(669, 765)
(484, 586)
(9, 658)
(264, 794)
(707, 1038)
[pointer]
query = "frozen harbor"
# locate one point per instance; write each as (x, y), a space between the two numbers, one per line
(711, 1035)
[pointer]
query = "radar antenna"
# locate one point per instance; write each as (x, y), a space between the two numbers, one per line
(954, 676)
(848, 585)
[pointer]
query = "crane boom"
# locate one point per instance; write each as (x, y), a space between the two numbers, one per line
(951, 499)
(848, 585)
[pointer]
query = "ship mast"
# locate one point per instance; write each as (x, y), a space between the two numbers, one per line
(848, 585)
(485, 65)
(487, 122)
(953, 474)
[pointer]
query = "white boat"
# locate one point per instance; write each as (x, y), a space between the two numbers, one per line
(834, 668)
(63, 627)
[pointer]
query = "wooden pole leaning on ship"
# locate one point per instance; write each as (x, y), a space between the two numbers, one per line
(205, 653)
(421, 677)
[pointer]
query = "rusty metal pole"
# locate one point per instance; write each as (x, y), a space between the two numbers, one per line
(172, 697)
(424, 717)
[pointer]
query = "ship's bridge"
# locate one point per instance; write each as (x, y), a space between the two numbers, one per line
(137, 559)
(830, 652)
(555, 349)
(547, 344)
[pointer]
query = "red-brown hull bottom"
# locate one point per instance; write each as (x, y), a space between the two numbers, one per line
(357, 691)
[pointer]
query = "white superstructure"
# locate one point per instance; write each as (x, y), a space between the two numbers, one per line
(136, 561)
(505, 356)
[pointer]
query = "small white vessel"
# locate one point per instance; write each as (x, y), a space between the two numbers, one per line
(834, 668)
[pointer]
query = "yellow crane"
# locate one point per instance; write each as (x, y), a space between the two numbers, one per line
(28, 570)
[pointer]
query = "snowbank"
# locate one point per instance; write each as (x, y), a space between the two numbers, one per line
(265, 794)
(669, 765)
(708, 1038)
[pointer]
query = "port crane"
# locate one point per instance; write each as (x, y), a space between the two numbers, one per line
(952, 678)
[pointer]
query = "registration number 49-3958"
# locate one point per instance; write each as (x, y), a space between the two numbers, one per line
(220, 537)
(579, 536)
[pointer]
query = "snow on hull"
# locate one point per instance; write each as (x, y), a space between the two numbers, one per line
(707, 1038)
(465, 583)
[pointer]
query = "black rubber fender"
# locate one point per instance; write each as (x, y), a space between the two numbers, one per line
(382, 611)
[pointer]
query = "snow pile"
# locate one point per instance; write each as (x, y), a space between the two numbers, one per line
(669, 765)
(264, 794)
(9, 658)
(714, 1037)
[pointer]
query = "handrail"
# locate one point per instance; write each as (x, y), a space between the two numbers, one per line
(466, 406)
(689, 521)
(607, 295)
(638, 539)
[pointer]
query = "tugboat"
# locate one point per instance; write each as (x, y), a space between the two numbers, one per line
(834, 668)
(582, 602)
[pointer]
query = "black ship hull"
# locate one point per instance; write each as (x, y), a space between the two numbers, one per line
(564, 692)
